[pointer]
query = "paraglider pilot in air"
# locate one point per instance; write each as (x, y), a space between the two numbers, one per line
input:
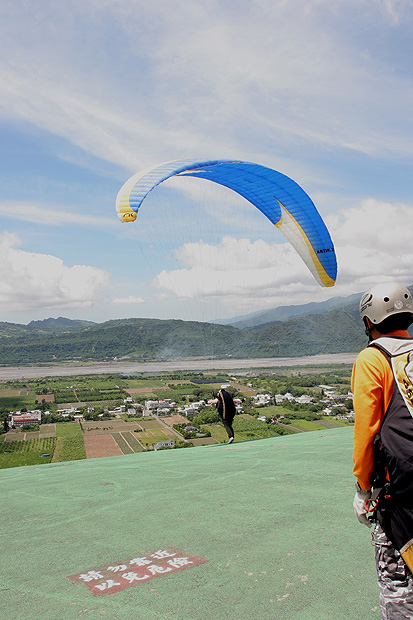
(278, 197)
(226, 411)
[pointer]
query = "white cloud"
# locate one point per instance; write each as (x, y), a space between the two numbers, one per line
(131, 299)
(398, 9)
(237, 274)
(73, 114)
(30, 281)
(374, 224)
(194, 79)
(50, 215)
(284, 83)
(373, 243)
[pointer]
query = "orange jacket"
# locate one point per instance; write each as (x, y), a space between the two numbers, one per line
(372, 387)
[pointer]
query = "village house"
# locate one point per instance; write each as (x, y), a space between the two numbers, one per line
(191, 429)
(262, 400)
(151, 404)
(68, 411)
(331, 401)
(160, 405)
(164, 444)
(161, 411)
(304, 399)
(188, 410)
(191, 408)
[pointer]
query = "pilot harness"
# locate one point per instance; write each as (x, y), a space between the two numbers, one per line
(391, 502)
(227, 408)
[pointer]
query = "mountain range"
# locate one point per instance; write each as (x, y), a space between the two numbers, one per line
(284, 313)
(332, 326)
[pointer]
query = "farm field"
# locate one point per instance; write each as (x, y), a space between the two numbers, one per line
(95, 439)
(109, 430)
(150, 437)
(204, 441)
(132, 441)
(246, 428)
(306, 425)
(14, 398)
(115, 426)
(120, 437)
(69, 443)
(111, 438)
(47, 430)
(145, 391)
(143, 384)
(170, 420)
(47, 398)
(23, 453)
(101, 445)
(218, 433)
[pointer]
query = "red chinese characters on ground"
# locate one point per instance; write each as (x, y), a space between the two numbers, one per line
(117, 577)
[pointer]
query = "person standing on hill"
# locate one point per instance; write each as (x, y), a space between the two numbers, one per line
(383, 441)
(226, 411)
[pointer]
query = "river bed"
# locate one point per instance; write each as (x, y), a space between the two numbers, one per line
(123, 367)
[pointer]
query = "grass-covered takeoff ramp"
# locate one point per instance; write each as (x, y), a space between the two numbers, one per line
(262, 529)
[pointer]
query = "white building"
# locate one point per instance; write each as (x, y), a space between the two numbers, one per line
(69, 411)
(27, 418)
(163, 411)
(164, 444)
(261, 400)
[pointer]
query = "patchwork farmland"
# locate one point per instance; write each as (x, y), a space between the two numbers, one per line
(91, 416)
(99, 439)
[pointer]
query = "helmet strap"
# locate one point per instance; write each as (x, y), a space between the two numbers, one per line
(367, 328)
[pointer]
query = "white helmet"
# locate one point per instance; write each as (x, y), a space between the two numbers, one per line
(386, 299)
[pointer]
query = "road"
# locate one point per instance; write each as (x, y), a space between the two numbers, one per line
(164, 424)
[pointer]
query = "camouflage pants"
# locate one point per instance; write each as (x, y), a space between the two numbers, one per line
(394, 578)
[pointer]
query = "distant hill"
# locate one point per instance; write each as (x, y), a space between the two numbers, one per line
(138, 339)
(58, 325)
(284, 313)
(338, 330)
(44, 326)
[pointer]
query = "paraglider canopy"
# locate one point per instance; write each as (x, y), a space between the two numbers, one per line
(277, 196)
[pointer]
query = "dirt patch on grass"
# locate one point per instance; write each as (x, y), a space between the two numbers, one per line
(149, 423)
(174, 419)
(108, 426)
(48, 398)
(101, 445)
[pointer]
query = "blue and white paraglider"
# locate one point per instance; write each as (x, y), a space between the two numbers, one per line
(277, 196)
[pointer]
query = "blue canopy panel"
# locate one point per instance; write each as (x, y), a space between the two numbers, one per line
(277, 196)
